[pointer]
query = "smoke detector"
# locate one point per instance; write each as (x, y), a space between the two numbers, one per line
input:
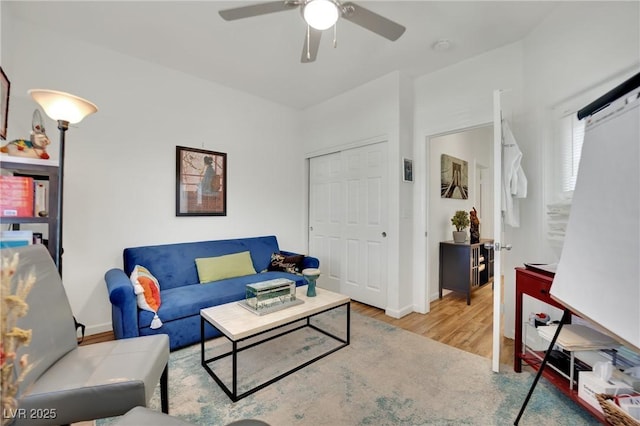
(441, 45)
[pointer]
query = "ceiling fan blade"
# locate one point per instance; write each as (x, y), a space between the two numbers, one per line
(311, 45)
(372, 21)
(257, 9)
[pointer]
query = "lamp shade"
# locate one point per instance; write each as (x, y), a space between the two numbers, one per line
(62, 106)
(321, 14)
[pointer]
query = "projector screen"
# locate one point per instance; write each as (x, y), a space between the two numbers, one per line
(598, 275)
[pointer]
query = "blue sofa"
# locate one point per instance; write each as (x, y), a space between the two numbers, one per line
(182, 295)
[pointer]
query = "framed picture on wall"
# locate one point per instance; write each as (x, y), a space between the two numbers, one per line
(5, 85)
(201, 182)
(454, 178)
(407, 170)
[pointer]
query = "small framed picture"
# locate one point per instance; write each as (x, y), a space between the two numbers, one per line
(201, 182)
(407, 170)
(5, 85)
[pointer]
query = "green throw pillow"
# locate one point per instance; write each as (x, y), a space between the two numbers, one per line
(227, 266)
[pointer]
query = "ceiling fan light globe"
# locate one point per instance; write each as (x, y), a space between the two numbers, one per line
(321, 14)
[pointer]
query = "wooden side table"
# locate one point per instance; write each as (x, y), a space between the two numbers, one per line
(465, 267)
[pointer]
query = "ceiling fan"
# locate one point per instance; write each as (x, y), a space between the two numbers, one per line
(319, 16)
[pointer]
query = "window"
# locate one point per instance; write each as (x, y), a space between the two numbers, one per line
(571, 138)
(568, 147)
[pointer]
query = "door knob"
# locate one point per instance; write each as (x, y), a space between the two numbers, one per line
(497, 246)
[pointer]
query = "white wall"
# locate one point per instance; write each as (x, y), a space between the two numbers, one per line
(120, 162)
(409, 299)
(563, 62)
(573, 50)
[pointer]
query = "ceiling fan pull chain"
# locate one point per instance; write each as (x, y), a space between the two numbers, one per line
(335, 35)
(308, 37)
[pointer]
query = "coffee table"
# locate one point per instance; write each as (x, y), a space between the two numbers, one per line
(237, 324)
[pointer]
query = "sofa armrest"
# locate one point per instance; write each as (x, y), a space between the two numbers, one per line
(308, 262)
(311, 262)
(124, 305)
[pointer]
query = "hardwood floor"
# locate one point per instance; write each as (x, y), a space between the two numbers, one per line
(450, 321)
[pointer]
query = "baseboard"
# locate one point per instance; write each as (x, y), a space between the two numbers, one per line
(97, 333)
(99, 328)
(436, 295)
(398, 313)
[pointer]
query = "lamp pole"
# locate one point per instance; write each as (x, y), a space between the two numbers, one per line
(62, 126)
(64, 108)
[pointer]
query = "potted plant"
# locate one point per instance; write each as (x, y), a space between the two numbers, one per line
(460, 220)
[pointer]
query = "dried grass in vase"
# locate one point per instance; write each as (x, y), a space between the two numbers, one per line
(14, 306)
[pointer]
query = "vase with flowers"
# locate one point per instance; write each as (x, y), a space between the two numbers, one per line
(461, 221)
(13, 295)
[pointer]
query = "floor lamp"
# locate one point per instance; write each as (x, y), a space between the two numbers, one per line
(65, 109)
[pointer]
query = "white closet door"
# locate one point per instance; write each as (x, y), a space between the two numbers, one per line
(326, 217)
(348, 219)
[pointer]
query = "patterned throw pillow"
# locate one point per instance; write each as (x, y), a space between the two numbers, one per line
(291, 264)
(147, 290)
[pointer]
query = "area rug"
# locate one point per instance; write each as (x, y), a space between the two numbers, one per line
(386, 376)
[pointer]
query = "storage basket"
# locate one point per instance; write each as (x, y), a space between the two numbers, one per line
(614, 414)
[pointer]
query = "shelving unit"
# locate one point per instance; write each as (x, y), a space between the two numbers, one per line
(465, 267)
(537, 285)
(38, 170)
(574, 339)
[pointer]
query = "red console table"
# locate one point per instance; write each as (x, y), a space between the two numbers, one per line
(537, 284)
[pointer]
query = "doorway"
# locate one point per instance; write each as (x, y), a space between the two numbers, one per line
(474, 147)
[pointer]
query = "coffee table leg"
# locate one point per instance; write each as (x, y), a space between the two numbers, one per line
(202, 341)
(348, 323)
(235, 370)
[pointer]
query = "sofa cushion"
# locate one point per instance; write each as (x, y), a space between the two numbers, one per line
(103, 379)
(261, 249)
(227, 266)
(291, 264)
(147, 290)
(187, 301)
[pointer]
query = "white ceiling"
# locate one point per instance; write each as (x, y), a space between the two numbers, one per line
(261, 55)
